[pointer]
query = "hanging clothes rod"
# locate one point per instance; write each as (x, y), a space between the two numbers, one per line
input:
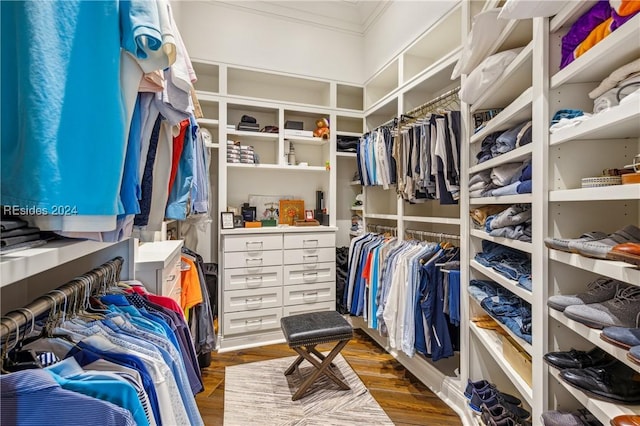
(448, 95)
(378, 228)
(61, 298)
(439, 235)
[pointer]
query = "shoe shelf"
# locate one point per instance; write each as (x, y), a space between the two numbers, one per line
(518, 111)
(505, 199)
(593, 336)
(346, 154)
(510, 285)
(621, 271)
(355, 182)
(513, 82)
(570, 14)
(602, 410)
(617, 49)
(605, 193)
(517, 155)
(492, 342)
(516, 244)
(437, 220)
(620, 122)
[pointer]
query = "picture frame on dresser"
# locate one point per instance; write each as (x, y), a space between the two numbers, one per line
(226, 220)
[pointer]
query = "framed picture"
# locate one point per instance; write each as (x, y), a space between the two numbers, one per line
(308, 215)
(290, 211)
(226, 220)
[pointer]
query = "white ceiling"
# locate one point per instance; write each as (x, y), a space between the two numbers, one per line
(354, 16)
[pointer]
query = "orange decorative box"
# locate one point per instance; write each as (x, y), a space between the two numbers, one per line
(631, 178)
(253, 224)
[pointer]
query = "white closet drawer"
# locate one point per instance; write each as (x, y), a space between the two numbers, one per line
(248, 278)
(304, 257)
(251, 260)
(252, 321)
(311, 307)
(315, 273)
(170, 280)
(309, 241)
(309, 293)
(252, 243)
(175, 293)
(252, 299)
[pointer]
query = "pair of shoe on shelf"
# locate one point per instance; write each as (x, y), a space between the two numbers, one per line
(581, 417)
(626, 420)
(597, 374)
(606, 303)
(495, 408)
(621, 245)
(627, 338)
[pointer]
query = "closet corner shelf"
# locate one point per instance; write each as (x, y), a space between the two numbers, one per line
(570, 13)
(517, 155)
(619, 122)
(605, 193)
(617, 49)
(350, 134)
(510, 285)
(429, 219)
(276, 167)
(253, 135)
(346, 154)
(516, 244)
(593, 335)
(506, 199)
(307, 141)
(355, 183)
(381, 216)
(493, 344)
(602, 410)
(25, 263)
(208, 122)
(518, 111)
(436, 76)
(617, 270)
(515, 79)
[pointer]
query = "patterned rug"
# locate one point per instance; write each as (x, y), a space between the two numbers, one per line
(259, 393)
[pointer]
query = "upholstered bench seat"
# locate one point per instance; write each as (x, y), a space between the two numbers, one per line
(304, 331)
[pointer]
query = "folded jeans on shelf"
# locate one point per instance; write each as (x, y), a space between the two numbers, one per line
(511, 189)
(515, 214)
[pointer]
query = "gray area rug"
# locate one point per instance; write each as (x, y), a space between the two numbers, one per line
(259, 393)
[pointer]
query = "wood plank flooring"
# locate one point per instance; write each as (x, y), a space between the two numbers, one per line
(404, 398)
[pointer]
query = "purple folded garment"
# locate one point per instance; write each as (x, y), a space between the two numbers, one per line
(599, 13)
(618, 20)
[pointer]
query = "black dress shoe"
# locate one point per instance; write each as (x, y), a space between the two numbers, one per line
(613, 382)
(578, 359)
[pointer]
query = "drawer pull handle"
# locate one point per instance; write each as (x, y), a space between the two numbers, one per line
(253, 300)
(251, 281)
(310, 241)
(253, 322)
(314, 256)
(171, 277)
(257, 261)
(257, 243)
(310, 293)
(309, 275)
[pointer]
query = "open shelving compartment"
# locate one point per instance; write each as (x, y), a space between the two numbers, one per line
(265, 145)
(313, 151)
(349, 97)
(208, 76)
(383, 114)
(381, 84)
(277, 87)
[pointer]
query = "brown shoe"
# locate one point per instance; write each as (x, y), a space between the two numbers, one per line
(626, 420)
(626, 252)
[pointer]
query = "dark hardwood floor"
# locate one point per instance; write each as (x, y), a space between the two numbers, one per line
(405, 399)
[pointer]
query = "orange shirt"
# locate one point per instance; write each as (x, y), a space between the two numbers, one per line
(191, 293)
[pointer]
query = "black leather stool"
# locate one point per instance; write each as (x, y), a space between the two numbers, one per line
(303, 332)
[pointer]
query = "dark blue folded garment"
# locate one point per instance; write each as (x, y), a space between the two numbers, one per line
(526, 173)
(525, 187)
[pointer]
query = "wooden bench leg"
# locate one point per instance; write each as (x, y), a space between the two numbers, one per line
(321, 368)
(297, 362)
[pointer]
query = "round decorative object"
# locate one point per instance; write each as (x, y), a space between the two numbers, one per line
(600, 181)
